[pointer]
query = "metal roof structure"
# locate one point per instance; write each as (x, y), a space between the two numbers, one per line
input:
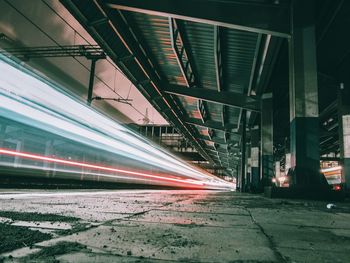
(205, 64)
(200, 65)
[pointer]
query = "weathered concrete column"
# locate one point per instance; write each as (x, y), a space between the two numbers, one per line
(237, 177)
(254, 156)
(303, 97)
(243, 151)
(249, 166)
(266, 168)
(277, 172)
(344, 132)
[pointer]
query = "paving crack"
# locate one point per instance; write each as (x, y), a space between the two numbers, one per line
(200, 212)
(270, 240)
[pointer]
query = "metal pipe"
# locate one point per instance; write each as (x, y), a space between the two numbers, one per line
(243, 150)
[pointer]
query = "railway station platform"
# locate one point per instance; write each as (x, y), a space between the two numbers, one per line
(169, 226)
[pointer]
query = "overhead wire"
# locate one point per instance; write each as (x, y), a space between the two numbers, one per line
(76, 32)
(53, 40)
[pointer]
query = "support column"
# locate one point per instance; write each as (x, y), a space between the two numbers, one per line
(277, 172)
(344, 132)
(249, 167)
(243, 150)
(237, 177)
(303, 97)
(266, 168)
(254, 155)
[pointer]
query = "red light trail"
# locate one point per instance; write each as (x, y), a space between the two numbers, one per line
(4, 151)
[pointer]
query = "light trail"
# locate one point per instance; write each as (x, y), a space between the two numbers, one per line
(82, 192)
(27, 98)
(92, 166)
(80, 173)
(42, 105)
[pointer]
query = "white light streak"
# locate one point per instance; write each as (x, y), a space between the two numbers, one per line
(32, 100)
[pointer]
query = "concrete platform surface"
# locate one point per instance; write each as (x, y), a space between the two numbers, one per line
(170, 226)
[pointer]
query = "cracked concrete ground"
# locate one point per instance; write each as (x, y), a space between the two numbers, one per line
(177, 225)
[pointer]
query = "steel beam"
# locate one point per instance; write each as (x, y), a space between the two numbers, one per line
(119, 41)
(189, 156)
(203, 111)
(220, 141)
(231, 165)
(211, 135)
(91, 52)
(183, 57)
(230, 128)
(210, 166)
(218, 57)
(219, 69)
(232, 99)
(248, 16)
(181, 52)
(184, 60)
(215, 151)
(223, 119)
(88, 51)
(253, 71)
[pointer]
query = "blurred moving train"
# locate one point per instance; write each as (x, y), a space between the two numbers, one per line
(46, 131)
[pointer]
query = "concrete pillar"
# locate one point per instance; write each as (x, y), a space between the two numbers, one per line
(243, 151)
(344, 132)
(237, 178)
(277, 169)
(254, 156)
(249, 166)
(288, 162)
(303, 97)
(266, 169)
(277, 172)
